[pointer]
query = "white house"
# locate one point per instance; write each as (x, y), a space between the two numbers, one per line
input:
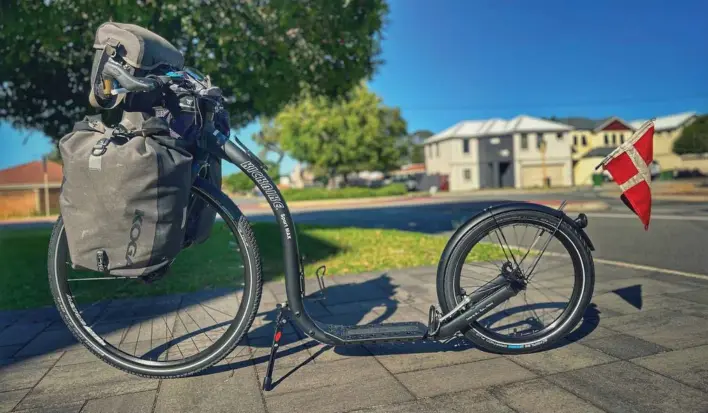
(498, 153)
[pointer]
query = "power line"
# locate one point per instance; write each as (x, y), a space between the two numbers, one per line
(527, 106)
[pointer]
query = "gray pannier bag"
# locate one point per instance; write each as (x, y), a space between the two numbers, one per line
(202, 216)
(124, 196)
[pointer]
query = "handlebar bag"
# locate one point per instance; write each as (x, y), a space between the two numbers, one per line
(139, 50)
(124, 198)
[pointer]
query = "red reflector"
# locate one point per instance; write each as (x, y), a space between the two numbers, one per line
(277, 336)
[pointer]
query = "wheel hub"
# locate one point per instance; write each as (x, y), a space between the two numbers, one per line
(514, 276)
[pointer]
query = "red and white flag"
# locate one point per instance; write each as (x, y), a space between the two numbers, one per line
(629, 167)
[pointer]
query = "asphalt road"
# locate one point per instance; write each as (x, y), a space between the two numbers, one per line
(677, 238)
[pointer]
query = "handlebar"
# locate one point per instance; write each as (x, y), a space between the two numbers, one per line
(129, 83)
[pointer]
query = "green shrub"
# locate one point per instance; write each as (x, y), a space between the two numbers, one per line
(309, 194)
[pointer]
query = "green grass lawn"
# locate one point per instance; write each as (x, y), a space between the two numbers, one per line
(214, 264)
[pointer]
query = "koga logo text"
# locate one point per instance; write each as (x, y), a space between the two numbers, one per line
(135, 230)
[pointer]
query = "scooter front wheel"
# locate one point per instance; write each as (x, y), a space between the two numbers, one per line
(213, 293)
(546, 257)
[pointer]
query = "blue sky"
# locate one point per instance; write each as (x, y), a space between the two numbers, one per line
(453, 60)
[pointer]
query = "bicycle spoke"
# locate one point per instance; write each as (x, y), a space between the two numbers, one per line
(497, 231)
(536, 237)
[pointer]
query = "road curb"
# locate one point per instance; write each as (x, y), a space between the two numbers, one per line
(661, 197)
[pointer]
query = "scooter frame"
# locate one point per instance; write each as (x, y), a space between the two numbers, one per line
(440, 328)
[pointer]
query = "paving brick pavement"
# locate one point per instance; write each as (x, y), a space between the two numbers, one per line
(642, 347)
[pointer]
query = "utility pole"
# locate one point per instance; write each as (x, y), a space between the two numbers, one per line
(542, 149)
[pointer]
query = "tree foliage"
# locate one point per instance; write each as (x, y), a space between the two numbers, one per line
(339, 136)
(267, 138)
(55, 156)
(260, 52)
(414, 146)
(694, 138)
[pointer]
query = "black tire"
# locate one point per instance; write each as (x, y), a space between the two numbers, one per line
(448, 281)
(241, 230)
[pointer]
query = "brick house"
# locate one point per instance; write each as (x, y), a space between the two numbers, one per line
(22, 189)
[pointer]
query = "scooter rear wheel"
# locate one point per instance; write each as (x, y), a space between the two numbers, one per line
(507, 329)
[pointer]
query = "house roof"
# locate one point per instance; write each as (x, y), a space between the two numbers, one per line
(612, 119)
(497, 126)
(582, 123)
(31, 174)
(593, 124)
(667, 122)
(413, 167)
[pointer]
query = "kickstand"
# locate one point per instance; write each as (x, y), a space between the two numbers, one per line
(277, 334)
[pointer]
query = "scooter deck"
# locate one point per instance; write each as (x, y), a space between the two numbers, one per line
(377, 333)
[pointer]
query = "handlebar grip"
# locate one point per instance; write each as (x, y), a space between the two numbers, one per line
(129, 82)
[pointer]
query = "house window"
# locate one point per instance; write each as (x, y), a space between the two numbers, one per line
(607, 139)
(467, 174)
(539, 141)
(622, 138)
(575, 140)
(614, 139)
(524, 141)
(585, 141)
(559, 136)
(466, 145)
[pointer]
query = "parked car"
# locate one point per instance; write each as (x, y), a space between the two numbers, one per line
(411, 181)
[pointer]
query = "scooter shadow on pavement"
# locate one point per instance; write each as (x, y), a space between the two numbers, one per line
(369, 302)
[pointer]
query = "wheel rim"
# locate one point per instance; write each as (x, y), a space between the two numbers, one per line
(483, 326)
(85, 325)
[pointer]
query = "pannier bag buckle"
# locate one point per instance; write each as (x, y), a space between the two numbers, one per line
(100, 147)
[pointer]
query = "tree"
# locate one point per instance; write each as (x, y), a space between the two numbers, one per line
(414, 146)
(55, 156)
(267, 138)
(694, 138)
(261, 53)
(339, 136)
